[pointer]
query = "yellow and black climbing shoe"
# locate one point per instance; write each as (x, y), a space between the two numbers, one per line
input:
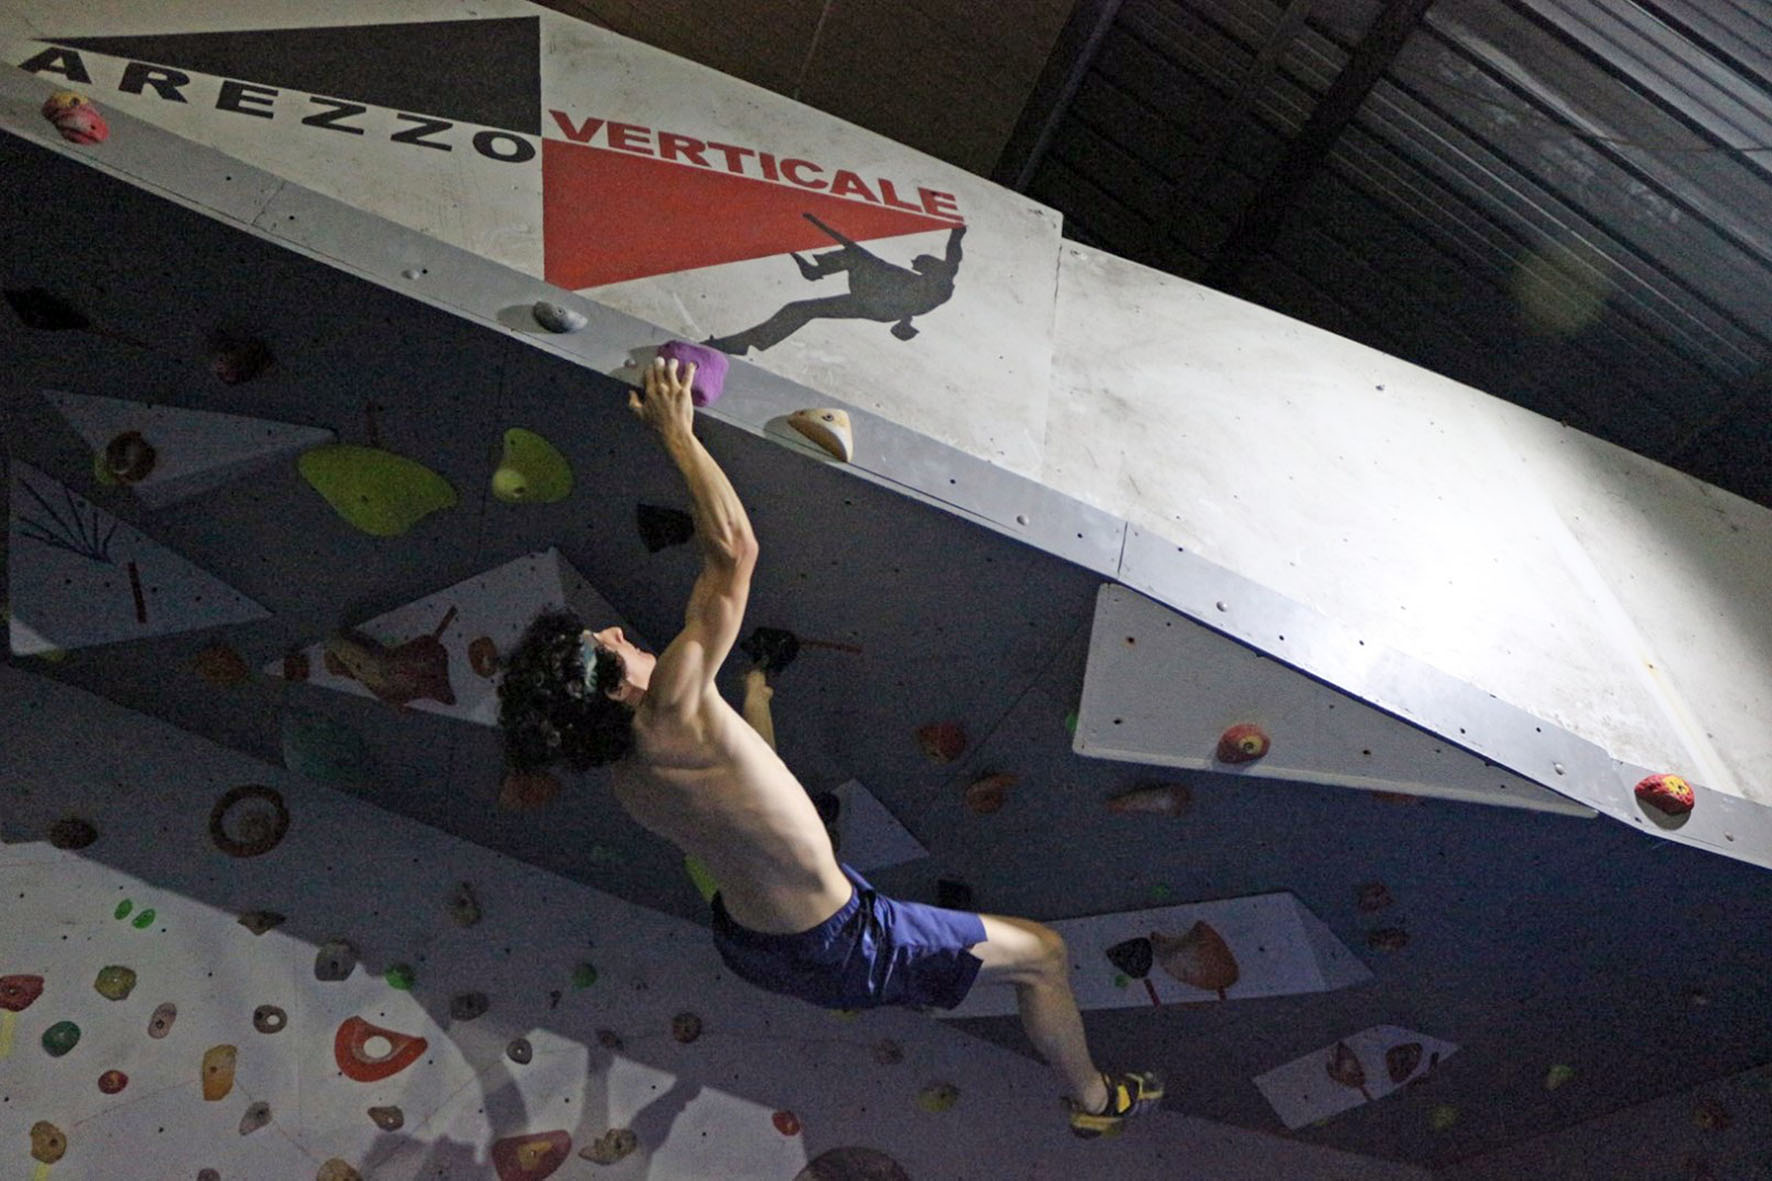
(1128, 1095)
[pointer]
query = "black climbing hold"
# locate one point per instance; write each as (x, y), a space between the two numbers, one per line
(953, 894)
(42, 310)
(465, 1006)
(772, 648)
(269, 1019)
(520, 1051)
(71, 832)
(828, 805)
(661, 528)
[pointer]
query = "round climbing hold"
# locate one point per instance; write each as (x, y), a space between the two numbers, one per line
(388, 1119)
(583, 976)
(114, 982)
(160, 1024)
(269, 1019)
(611, 1146)
(257, 1116)
(483, 656)
(335, 960)
(942, 742)
(218, 1071)
(520, 1051)
(466, 1006)
(252, 829)
(1667, 793)
(123, 909)
(112, 1081)
(1243, 743)
(61, 1037)
(685, 1027)
(786, 1122)
(48, 1142)
(129, 458)
(71, 832)
(401, 976)
(558, 318)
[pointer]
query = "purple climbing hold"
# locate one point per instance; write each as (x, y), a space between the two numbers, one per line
(710, 368)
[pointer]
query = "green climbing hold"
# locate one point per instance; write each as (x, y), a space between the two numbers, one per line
(115, 982)
(704, 881)
(1122, 981)
(123, 909)
(1557, 1076)
(400, 976)
(144, 920)
(583, 976)
(1160, 892)
(1070, 723)
(61, 1037)
(938, 1097)
(379, 492)
(532, 470)
(1442, 1117)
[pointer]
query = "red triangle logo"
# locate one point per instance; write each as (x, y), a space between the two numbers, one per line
(609, 216)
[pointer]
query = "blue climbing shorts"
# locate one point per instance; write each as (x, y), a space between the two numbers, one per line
(874, 951)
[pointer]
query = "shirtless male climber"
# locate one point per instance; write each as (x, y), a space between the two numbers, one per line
(788, 917)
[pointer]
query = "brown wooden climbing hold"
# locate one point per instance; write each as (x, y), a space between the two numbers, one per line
(483, 656)
(112, 1081)
(76, 118)
(786, 1122)
(222, 667)
(349, 1050)
(48, 1143)
(334, 961)
(269, 1019)
(71, 832)
(830, 429)
(160, 1023)
(942, 741)
(337, 1170)
(685, 1027)
(530, 1157)
(614, 1145)
(248, 820)
(388, 1119)
(129, 458)
(525, 791)
(1243, 743)
(989, 793)
(218, 1071)
(1667, 793)
(1199, 959)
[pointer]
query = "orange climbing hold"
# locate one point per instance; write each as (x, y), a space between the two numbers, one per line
(218, 1072)
(348, 1050)
(1666, 793)
(942, 741)
(1243, 743)
(530, 1157)
(989, 793)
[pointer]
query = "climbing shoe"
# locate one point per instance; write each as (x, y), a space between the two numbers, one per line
(1128, 1095)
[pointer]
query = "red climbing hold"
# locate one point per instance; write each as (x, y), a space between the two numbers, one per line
(76, 118)
(112, 1081)
(18, 992)
(1242, 743)
(356, 1061)
(1666, 793)
(786, 1122)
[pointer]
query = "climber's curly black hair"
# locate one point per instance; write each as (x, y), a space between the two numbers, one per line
(548, 713)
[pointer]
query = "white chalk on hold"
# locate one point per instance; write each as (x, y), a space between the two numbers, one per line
(828, 428)
(555, 318)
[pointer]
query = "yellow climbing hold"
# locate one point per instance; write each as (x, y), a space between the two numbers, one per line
(704, 881)
(532, 470)
(377, 491)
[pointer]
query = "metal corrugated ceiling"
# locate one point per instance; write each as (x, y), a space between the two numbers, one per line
(1560, 202)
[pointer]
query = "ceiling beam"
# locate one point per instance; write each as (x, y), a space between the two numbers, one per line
(1260, 221)
(1072, 55)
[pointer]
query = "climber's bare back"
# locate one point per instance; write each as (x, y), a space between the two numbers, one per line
(700, 777)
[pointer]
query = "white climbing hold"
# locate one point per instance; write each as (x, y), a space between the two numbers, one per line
(556, 318)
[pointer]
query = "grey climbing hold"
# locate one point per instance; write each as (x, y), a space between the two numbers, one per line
(520, 1051)
(269, 1019)
(388, 1119)
(335, 960)
(556, 318)
(257, 1116)
(611, 1146)
(160, 1024)
(464, 908)
(465, 1006)
(208, 1175)
(260, 921)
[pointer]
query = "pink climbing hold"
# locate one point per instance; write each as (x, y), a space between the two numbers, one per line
(710, 368)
